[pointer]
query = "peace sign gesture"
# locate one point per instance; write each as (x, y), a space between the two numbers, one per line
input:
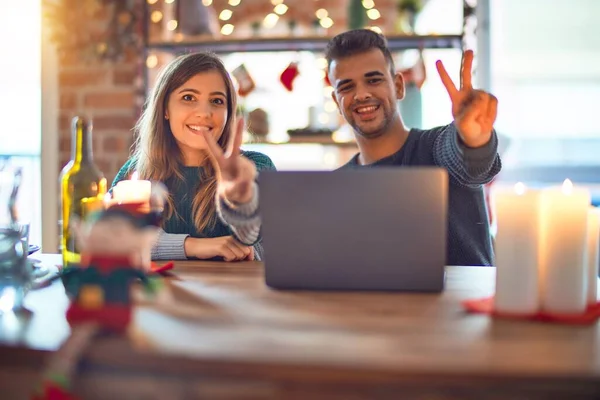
(237, 172)
(474, 111)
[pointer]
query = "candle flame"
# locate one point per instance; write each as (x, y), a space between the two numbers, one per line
(567, 186)
(107, 199)
(520, 188)
(135, 176)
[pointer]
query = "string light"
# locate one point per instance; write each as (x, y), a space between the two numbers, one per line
(151, 61)
(270, 20)
(280, 9)
(326, 22)
(376, 29)
(276, 2)
(207, 2)
(227, 29)
(234, 3)
(225, 15)
(373, 13)
(321, 13)
(172, 25)
(169, 1)
(368, 4)
(152, 1)
(156, 16)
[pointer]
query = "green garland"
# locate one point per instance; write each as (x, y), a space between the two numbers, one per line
(94, 30)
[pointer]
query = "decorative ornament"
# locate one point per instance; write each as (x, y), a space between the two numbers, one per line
(81, 27)
(289, 75)
(244, 79)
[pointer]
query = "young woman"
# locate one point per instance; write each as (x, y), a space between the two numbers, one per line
(188, 139)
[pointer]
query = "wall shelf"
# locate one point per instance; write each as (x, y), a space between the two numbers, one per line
(315, 44)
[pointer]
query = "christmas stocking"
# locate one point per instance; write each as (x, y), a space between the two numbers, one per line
(244, 80)
(288, 75)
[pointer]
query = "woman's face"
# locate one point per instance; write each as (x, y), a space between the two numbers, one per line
(199, 105)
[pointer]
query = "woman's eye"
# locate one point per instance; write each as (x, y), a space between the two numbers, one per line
(188, 97)
(218, 101)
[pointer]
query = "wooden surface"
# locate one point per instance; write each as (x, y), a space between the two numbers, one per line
(219, 325)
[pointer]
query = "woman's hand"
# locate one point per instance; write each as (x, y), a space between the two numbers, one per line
(237, 172)
(225, 246)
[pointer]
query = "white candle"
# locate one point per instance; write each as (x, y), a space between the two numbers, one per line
(132, 191)
(592, 254)
(564, 215)
(516, 250)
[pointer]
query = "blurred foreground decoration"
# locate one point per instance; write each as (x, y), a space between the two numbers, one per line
(94, 30)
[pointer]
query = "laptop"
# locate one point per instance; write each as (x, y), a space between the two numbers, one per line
(381, 229)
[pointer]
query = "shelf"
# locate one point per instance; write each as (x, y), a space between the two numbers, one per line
(322, 140)
(314, 44)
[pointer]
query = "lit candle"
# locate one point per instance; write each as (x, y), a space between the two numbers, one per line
(516, 250)
(564, 216)
(592, 254)
(132, 191)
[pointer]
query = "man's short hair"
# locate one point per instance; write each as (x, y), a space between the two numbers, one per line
(357, 41)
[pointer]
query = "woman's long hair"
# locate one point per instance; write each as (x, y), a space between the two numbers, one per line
(158, 157)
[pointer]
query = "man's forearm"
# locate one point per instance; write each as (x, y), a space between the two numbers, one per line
(467, 166)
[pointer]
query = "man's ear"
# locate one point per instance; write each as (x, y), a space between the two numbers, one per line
(335, 100)
(399, 84)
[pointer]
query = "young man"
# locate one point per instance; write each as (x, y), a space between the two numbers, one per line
(366, 90)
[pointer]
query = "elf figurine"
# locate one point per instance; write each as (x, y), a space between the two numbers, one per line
(112, 258)
(113, 246)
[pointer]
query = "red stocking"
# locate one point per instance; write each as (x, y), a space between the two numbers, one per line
(288, 75)
(244, 80)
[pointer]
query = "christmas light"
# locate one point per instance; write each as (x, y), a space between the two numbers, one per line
(368, 4)
(326, 22)
(234, 3)
(280, 9)
(172, 25)
(276, 2)
(225, 15)
(151, 61)
(169, 1)
(373, 13)
(321, 13)
(156, 16)
(321, 63)
(207, 2)
(152, 1)
(227, 29)
(270, 20)
(376, 29)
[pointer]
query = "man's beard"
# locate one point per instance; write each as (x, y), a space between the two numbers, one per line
(377, 132)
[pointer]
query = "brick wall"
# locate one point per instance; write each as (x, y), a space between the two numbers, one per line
(108, 92)
(105, 92)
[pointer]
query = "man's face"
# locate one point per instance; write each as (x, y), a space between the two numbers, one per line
(366, 92)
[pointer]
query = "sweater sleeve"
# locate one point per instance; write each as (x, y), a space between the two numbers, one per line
(244, 220)
(169, 246)
(467, 166)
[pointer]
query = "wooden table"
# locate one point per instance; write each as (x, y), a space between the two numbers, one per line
(224, 334)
